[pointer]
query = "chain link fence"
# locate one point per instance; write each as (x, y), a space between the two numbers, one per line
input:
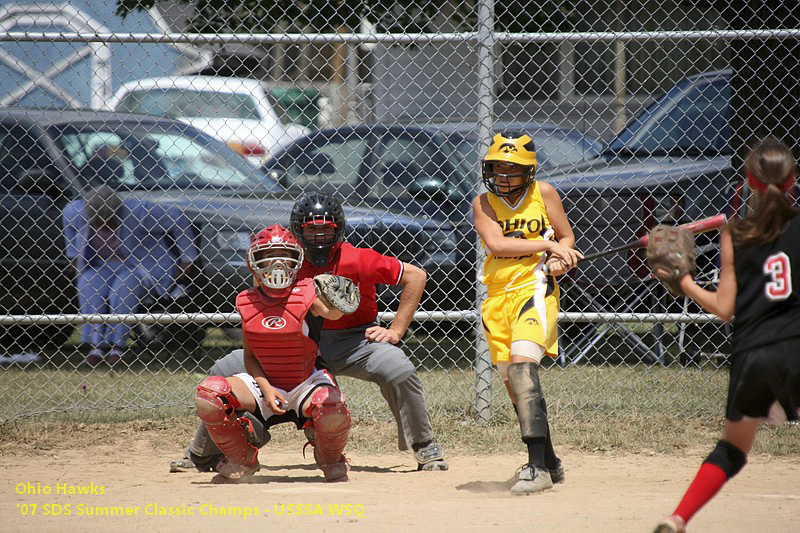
(207, 122)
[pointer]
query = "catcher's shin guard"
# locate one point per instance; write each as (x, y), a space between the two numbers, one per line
(330, 418)
(216, 406)
(524, 380)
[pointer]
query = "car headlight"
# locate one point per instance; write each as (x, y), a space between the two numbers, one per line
(441, 246)
(234, 241)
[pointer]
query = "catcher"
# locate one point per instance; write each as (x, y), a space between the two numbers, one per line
(281, 320)
(759, 284)
(354, 346)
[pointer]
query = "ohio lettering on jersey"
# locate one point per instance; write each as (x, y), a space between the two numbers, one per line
(526, 220)
(520, 228)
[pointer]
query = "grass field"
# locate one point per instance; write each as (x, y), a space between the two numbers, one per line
(632, 409)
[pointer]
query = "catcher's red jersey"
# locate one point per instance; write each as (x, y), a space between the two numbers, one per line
(277, 332)
(367, 268)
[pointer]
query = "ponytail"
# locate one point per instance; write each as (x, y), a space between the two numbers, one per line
(766, 222)
(770, 169)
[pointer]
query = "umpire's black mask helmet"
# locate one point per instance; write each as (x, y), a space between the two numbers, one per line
(317, 221)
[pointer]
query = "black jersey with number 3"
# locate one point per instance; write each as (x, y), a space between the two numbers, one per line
(768, 293)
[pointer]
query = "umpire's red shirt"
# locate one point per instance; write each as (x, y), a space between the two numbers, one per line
(367, 268)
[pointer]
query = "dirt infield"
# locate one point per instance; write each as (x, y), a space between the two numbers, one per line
(602, 493)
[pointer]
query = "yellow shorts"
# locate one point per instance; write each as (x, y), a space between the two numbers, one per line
(530, 315)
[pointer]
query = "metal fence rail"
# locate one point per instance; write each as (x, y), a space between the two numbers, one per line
(631, 118)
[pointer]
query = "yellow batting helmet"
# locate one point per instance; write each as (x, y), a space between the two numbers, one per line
(514, 149)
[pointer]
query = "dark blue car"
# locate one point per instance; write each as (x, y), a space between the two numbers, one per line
(47, 157)
(426, 171)
(672, 163)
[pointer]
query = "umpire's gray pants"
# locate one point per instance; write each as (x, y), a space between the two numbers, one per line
(348, 353)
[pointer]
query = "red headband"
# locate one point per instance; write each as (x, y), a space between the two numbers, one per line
(762, 187)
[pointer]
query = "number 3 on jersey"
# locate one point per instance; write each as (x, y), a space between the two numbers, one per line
(779, 270)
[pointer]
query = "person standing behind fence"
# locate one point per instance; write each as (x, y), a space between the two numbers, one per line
(120, 250)
(523, 226)
(354, 346)
(760, 285)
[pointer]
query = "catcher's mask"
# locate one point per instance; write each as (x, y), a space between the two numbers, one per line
(317, 221)
(517, 151)
(275, 257)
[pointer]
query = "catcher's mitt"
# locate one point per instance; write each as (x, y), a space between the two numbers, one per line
(337, 292)
(670, 255)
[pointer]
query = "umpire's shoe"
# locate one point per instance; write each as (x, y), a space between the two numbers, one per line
(557, 473)
(430, 457)
(532, 479)
(190, 462)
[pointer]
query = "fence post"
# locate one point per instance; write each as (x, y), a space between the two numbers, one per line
(486, 39)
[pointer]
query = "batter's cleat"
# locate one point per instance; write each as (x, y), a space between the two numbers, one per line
(236, 472)
(334, 472)
(671, 524)
(531, 480)
(557, 473)
(431, 458)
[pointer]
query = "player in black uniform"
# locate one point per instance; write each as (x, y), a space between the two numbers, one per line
(760, 285)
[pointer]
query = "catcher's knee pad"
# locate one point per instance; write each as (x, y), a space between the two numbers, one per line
(216, 406)
(330, 419)
(727, 457)
(524, 381)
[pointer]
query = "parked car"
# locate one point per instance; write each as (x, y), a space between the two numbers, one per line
(555, 145)
(44, 155)
(237, 111)
(429, 171)
(671, 163)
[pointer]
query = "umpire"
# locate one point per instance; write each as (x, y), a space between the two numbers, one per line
(355, 345)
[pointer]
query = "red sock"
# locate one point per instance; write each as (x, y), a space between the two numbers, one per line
(706, 484)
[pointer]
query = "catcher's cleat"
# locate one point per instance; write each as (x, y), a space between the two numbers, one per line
(334, 472)
(671, 524)
(531, 480)
(236, 472)
(431, 458)
(557, 473)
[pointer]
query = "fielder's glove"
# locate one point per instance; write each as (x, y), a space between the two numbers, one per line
(670, 255)
(337, 292)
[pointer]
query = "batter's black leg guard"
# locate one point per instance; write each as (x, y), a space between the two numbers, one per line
(524, 381)
(727, 457)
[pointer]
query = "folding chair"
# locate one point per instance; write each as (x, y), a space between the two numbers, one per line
(582, 346)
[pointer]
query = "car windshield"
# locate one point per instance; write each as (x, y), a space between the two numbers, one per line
(690, 120)
(156, 157)
(553, 148)
(329, 164)
(190, 103)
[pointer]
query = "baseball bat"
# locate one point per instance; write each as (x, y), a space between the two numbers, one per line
(698, 226)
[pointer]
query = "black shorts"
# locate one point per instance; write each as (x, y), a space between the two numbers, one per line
(763, 376)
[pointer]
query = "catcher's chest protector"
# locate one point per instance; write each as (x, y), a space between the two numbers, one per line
(277, 332)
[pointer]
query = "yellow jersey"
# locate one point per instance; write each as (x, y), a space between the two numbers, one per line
(526, 220)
